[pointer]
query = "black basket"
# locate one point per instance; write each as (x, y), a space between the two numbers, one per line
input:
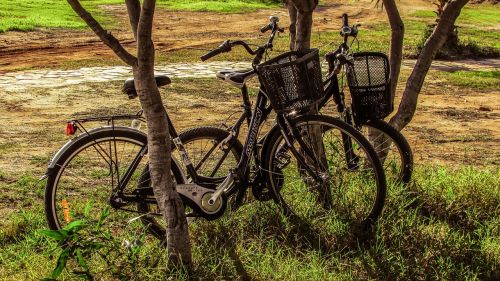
(292, 81)
(370, 86)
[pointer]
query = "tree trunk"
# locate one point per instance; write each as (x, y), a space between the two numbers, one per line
(159, 147)
(300, 12)
(408, 104)
(380, 142)
(169, 201)
(397, 36)
(292, 12)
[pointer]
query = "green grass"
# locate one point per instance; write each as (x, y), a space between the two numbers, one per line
(30, 14)
(476, 23)
(484, 80)
(27, 14)
(226, 6)
(444, 226)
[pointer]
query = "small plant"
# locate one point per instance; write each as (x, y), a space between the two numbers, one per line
(85, 239)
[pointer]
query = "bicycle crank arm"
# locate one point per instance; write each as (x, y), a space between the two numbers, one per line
(198, 197)
(222, 188)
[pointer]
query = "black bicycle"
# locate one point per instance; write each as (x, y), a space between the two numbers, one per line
(368, 77)
(313, 177)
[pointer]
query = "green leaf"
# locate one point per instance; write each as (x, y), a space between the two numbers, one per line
(103, 217)
(61, 263)
(74, 226)
(58, 235)
(87, 209)
(81, 260)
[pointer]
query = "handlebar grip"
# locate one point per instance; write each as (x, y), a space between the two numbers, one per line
(345, 20)
(210, 54)
(265, 28)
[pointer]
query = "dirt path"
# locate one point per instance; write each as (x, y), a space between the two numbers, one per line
(173, 30)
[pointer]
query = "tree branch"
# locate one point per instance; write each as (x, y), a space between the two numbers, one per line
(103, 34)
(414, 84)
(134, 13)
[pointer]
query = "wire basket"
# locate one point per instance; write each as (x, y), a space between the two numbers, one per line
(292, 81)
(370, 85)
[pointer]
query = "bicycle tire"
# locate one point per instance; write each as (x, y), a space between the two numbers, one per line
(188, 138)
(301, 204)
(399, 165)
(75, 162)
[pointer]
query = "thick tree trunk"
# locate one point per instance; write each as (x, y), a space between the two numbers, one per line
(169, 201)
(300, 12)
(303, 31)
(159, 148)
(414, 84)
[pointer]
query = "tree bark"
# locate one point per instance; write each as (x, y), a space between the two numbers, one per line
(408, 104)
(292, 12)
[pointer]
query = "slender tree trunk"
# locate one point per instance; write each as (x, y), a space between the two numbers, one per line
(414, 84)
(380, 142)
(397, 36)
(292, 12)
(169, 201)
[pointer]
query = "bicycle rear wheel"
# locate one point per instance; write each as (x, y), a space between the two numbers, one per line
(350, 195)
(87, 170)
(393, 150)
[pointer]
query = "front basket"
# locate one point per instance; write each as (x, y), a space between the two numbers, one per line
(292, 81)
(370, 86)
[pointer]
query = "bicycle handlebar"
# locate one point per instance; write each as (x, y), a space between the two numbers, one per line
(258, 52)
(224, 47)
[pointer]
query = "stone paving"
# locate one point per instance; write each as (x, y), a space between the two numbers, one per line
(22, 80)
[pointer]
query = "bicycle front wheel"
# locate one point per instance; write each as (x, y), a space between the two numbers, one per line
(350, 195)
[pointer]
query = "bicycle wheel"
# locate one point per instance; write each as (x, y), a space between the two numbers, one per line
(392, 148)
(88, 168)
(211, 157)
(350, 195)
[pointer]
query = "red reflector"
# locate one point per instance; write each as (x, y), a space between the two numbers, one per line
(70, 128)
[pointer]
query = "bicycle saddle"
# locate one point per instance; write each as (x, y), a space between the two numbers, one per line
(129, 86)
(236, 78)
